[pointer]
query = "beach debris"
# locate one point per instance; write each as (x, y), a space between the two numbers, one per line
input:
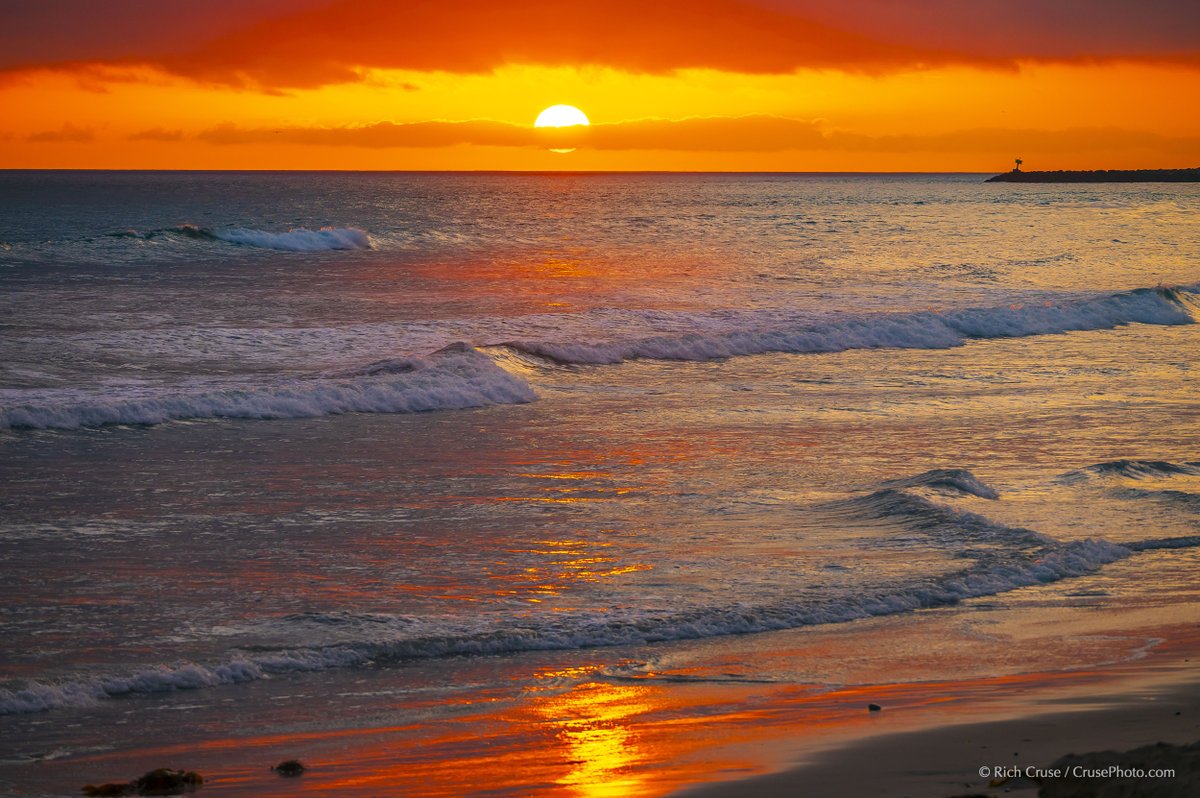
(873, 708)
(155, 782)
(289, 768)
(110, 789)
(168, 782)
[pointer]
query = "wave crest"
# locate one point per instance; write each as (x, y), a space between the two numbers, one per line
(296, 239)
(950, 480)
(921, 330)
(1133, 469)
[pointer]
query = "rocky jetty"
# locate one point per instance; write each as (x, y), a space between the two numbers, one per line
(1101, 176)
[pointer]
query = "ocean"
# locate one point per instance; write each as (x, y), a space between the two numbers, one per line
(433, 476)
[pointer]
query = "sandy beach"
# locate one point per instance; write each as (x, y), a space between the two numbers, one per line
(1104, 713)
(947, 761)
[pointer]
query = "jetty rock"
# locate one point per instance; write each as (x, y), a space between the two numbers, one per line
(1101, 176)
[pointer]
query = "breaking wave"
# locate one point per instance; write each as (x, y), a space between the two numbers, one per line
(1015, 558)
(497, 374)
(453, 378)
(297, 239)
(923, 330)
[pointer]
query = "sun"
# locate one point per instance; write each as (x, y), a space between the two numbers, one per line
(561, 116)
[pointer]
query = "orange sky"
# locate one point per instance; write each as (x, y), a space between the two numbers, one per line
(807, 85)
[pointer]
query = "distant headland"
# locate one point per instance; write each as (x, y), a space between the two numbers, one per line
(1099, 176)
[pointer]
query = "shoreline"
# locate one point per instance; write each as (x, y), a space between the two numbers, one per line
(680, 731)
(1133, 707)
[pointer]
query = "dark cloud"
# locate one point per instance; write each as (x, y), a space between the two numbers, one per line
(157, 134)
(1021, 29)
(67, 133)
(382, 134)
(59, 31)
(1020, 140)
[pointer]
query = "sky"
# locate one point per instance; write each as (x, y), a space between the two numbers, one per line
(723, 85)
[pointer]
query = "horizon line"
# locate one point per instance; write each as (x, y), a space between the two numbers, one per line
(515, 171)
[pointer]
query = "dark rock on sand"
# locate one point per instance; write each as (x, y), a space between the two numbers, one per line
(290, 768)
(156, 782)
(1184, 760)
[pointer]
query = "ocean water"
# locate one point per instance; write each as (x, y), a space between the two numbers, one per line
(296, 451)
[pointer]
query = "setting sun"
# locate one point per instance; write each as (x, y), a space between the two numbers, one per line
(561, 116)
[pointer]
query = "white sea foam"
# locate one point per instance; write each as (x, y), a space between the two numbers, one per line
(298, 239)
(453, 378)
(923, 330)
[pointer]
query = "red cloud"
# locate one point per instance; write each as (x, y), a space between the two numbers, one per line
(325, 44)
(294, 43)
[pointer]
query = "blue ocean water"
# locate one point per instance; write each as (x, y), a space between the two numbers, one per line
(260, 426)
